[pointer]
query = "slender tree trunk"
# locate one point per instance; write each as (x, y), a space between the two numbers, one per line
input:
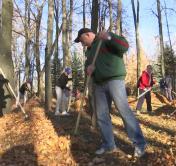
(37, 50)
(161, 38)
(69, 33)
(119, 18)
(102, 14)
(27, 39)
(136, 24)
(170, 43)
(70, 21)
(1, 14)
(64, 33)
(56, 53)
(110, 15)
(6, 63)
(48, 89)
(66, 57)
(94, 15)
(84, 13)
(168, 30)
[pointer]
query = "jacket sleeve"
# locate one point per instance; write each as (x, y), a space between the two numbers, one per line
(117, 43)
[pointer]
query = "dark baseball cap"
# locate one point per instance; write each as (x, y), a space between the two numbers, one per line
(80, 32)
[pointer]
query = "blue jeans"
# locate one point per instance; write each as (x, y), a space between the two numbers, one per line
(115, 90)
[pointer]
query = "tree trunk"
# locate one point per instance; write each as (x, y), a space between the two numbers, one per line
(94, 15)
(110, 15)
(1, 14)
(37, 48)
(66, 59)
(6, 63)
(136, 24)
(48, 89)
(161, 38)
(119, 18)
(27, 39)
(170, 43)
(84, 13)
(69, 34)
(102, 12)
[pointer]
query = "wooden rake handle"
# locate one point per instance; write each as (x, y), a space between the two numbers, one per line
(85, 89)
(12, 91)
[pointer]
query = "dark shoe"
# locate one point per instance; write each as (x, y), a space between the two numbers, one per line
(150, 113)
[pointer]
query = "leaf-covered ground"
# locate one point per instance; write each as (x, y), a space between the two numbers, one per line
(48, 140)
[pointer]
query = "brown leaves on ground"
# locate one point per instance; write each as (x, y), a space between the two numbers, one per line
(49, 140)
(31, 142)
(76, 105)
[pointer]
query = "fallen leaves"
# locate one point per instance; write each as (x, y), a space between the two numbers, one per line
(49, 141)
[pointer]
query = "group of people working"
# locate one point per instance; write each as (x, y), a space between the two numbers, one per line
(107, 85)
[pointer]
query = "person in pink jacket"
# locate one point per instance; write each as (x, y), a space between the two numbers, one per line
(145, 83)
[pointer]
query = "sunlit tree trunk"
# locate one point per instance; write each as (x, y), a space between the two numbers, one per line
(27, 39)
(37, 48)
(161, 38)
(102, 19)
(136, 24)
(6, 63)
(66, 58)
(48, 89)
(110, 15)
(69, 33)
(119, 18)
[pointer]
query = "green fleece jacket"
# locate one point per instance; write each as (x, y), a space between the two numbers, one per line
(109, 64)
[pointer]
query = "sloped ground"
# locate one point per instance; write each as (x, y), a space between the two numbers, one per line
(49, 140)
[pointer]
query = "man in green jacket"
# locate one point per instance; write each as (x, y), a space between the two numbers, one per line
(108, 75)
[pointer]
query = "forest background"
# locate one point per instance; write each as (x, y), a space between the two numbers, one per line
(37, 37)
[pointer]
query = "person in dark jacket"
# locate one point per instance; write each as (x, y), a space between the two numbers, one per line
(62, 91)
(108, 75)
(169, 87)
(163, 86)
(3, 96)
(23, 93)
(145, 84)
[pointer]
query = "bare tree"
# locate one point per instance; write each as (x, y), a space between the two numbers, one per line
(27, 39)
(136, 25)
(161, 38)
(94, 15)
(167, 24)
(119, 18)
(84, 13)
(6, 63)
(64, 34)
(38, 18)
(110, 15)
(48, 89)
(102, 13)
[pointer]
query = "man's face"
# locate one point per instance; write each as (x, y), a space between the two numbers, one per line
(149, 69)
(85, 39)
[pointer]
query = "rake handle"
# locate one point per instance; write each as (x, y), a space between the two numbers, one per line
(85, 89)
(11, 89)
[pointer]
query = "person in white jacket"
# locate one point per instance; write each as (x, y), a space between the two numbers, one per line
(62, 91)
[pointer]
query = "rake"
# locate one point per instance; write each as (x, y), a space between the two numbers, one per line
(13, 93)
